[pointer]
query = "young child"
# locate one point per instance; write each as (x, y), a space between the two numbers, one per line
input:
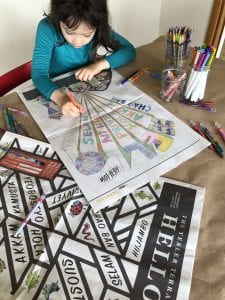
(67, 39)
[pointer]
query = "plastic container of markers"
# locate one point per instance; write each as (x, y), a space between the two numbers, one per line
(195, 86)
(173, 81)
(178, 62)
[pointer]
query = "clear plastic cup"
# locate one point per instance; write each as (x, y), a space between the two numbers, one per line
(172, 84)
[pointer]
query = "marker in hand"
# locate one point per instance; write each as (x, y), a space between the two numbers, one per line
(74, 101)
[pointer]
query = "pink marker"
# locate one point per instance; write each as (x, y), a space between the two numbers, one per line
(220, 130)
(27, 219)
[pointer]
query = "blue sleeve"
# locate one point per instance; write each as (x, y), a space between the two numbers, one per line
(44, 46)
(123, 55)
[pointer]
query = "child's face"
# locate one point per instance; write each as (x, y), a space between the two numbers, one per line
(78, 37)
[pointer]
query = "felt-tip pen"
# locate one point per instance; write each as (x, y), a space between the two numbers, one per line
(217, 147)
(153, 74)
(220, 130)
(123, 81)
(197, 128)
(27, 219)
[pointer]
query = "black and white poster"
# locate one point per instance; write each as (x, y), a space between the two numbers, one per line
(141, 247)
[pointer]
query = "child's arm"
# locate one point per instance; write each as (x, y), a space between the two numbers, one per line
(44, 45)
(120, 57)
(123, 55)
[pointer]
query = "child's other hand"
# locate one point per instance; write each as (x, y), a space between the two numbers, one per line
(66, 107)
(88, 72)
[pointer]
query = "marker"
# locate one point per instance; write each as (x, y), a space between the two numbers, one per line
(25, 221)
(74, 101)
(2, 106)
(123, 81)
(197, 128)
(153, 74)
(139, 74)
(11, 122)
(220, 130)
(22, 156)
(6, 118)
(27, 158)
(217, 147)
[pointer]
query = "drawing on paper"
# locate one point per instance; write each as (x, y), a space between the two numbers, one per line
(122, 139)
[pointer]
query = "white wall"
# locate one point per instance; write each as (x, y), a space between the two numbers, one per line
(141, 21)
(193, 13)
(137, 20)
(18, 21)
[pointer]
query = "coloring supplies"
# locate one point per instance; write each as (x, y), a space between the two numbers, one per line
(204, 104)
(153, 74)
(9, 117)
(220, 130)
(197, 128)
(123, 81)
(141, 73)
(134, 76)
(25, 221)
(172, 83)
(6, 118)
(204, 131)
(29, 163)
(178, 40)
(217, 147)
(202, 60)
(21, 112)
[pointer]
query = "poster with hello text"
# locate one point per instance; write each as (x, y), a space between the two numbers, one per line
(141, 247)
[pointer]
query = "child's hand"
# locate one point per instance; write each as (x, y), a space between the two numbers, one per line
(69, 109)
(88, 72)
(66, 107)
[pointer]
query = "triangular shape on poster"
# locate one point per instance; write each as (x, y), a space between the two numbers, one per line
(128, 205)
(54, 242)
(122, 245)
(111, 214)
(92, 276)
(125, 222)
(131, 269)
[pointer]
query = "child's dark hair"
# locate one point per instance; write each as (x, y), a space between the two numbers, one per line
(92, 12)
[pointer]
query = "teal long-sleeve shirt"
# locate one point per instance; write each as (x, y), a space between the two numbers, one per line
(53, 56)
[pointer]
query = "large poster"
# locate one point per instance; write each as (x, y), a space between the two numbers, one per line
(141, 247)
(122, 139)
